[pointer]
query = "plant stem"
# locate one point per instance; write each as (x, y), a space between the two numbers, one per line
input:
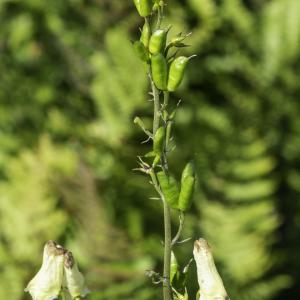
(167, 224)
(177, 236)
(156, 113)
(167, 292)
(159, 17)
(166, 99)
(167, 253)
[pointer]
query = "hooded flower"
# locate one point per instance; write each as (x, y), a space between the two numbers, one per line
(73, 279)
(59, 274)
(210, 282)
(46, 284)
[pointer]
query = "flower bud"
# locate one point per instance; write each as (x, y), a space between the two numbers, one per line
(73, 279)
(46, 284)
(210, 282)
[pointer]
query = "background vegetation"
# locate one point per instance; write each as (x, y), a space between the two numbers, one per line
(70, 87)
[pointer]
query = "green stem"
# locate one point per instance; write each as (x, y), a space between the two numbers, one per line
(177, 236)
(159, 17)
(156, 113)
(167, 253)
(167, 243)
(166, 99)
(167, 224)
(167, 292)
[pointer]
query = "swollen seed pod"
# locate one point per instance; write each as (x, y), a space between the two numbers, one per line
(145, 34)
(159, 70)
(176, 72)
(140, 51)
(188, 171)
(187, 187)
(210, 282)
(169, 188)
(186, 193)
(158, 141)
(144, 7)
(157, 41)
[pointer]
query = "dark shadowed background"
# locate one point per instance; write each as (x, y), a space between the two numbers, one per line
(70, 86)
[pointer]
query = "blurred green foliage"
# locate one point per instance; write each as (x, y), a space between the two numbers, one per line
(70, 87)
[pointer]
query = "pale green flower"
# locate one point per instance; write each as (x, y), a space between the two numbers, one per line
(59, 274)
(46, 284)
(73, 279)
(210, 282)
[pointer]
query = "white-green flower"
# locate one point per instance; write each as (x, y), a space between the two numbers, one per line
(46, 284)
(73, 279)
(210, 282)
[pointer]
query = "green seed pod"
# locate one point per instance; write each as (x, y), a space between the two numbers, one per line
(144, 7)
(169, 188)
(145, 34)
(188, 171)
(186, 193)
(159, 70)
(158, 141)
(140, 51)
(176, 72)
(187, 187)
(157, 41)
